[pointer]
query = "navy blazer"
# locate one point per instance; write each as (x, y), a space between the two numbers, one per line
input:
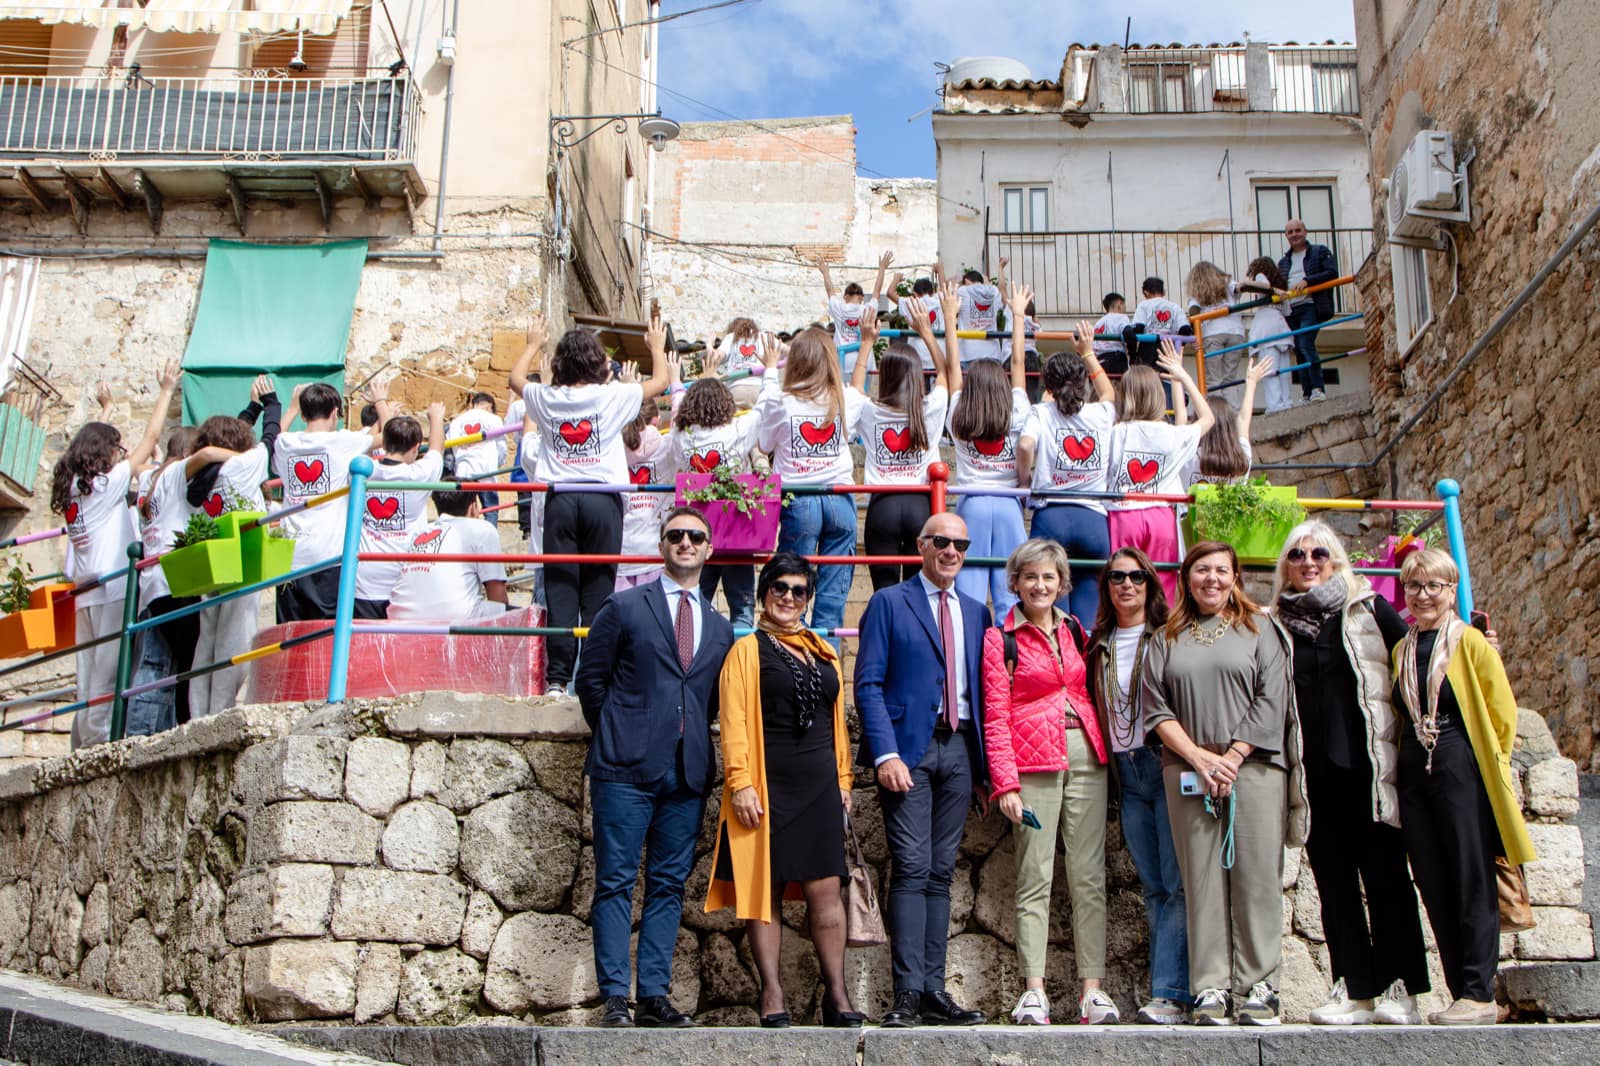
(1320, 266)
(637, 697)
(899, 679)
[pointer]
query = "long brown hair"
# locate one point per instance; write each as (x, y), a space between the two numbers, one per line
(181, 443)
(900, 389)
(812, 371)
(1221, 455)
(708, 403)
(740, 328)
(984, 412)
(633, 432)
(1240, 610)
(1140, 397)
(93, 451)
(1208, 285)
(1268, 268)
(1155, 597)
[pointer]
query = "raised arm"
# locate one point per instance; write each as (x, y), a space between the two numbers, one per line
(201, 458)
(1083, 341)
(1171, 362)
(655, 335)
(1020, 297)
(1253, 375)
(1004, 262)
(920, 321)
(171, 374)
(827, 278)
(535, 349)
(869, 339)
(877, 285)
(377, 394)
(435, 425)
(950, 305)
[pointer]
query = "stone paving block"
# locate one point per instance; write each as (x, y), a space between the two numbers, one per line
(404, 908)
(1523, 1045)
(289, 900)
(583, 1047)
(478, 1045)
(1017, 1046)
(311, 831)
(454, 714)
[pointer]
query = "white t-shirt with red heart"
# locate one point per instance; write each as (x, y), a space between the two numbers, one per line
(580, 430)
(651, 463)
(1070, 452)
(806, 448)
(701, 449)
(991, 463)
(1159, 315)
(980, 309)
(238, 486)
(890, 459)
(100, 526)
(390, 518)
(1149, 457)
(935, 319)
(741, 353)
(475, 461)
(1108, 332)
(312, 462)
(448, 592)
(167, 502)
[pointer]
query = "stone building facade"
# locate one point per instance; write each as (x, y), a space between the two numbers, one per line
(1512, 81)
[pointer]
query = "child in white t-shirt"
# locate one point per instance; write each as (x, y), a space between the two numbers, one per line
(980, 310)
(458, 593)
(739, 353)
(848, 311)
(312, 462)
(516, 415)
(650, 462)
(580, 417)
(479, 461)
(391, 517)
(924, 294)
(1155, 314)
(1212, 290)
(1147, 455)
(167, 648)
(89, 490)
(1268, 321)
(1109, 346)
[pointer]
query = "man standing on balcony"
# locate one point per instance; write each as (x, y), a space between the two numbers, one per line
(1306, 264)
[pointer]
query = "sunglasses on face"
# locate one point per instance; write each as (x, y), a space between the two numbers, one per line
(1417, 588)
(941, 542)
(1118, 577)
(784, 590)
(1298, 555)
(696, 537)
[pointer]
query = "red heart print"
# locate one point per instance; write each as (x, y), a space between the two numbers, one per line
(383, 508)
(71, 514)
(1077, 448)
(1163, 317)
(705, 464)
(747, 350)
(427, 538)
(1143, 472)
(577, 434)
(308, 473)
(990, 448)
(641, 475)
(471, 428)
(976, 306)
(897, 440)
(852, 322)
(1099, 330)
(214, 505)
(817, 432)
(933, 316)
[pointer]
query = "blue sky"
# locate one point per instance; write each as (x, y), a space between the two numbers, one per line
(875, 59)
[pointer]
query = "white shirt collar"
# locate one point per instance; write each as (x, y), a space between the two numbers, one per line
(930, 588)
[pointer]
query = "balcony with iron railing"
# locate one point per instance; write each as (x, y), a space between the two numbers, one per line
(1255, 77)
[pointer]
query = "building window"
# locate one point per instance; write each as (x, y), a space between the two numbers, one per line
(1333, 89)
(1276, 204)
(1413, 303)
(24, 48)
(1027, 208)
(340, 54)
(1159, 87)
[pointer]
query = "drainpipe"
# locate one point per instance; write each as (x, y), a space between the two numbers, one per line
(444, 142)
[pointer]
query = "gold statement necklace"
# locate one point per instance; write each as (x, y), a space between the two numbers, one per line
(1208, 637)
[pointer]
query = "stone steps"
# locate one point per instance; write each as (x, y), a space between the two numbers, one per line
(1588, 823)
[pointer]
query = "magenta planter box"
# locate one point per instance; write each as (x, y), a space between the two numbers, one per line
(731, 532)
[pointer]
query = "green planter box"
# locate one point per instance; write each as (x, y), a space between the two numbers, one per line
(264, 557)
(210, 566)
(1260, 543)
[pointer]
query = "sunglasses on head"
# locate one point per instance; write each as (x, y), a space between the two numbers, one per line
(790, 590)
(696, 537)
(941, 542)
(1117, 577)
(1318, 555)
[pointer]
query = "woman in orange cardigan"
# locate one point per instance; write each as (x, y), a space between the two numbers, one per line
(786, 788)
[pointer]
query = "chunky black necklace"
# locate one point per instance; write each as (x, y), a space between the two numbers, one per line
(807, 682)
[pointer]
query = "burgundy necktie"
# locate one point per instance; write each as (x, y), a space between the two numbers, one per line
(947, 632)
(685, 630)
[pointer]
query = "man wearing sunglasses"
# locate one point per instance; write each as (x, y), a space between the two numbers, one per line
(647, 680)
(918, 687)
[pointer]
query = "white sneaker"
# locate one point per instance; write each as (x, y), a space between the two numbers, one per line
(1397, 1007)
(1162, 1012)
(555, 690)
(1097, 1008)
(1318, 394)
(1211, 1008)
(1032, 1009)
(1341, 1009)
(1260, 1007)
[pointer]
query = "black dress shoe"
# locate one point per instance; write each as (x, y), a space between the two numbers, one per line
(939, 1009)
(779, 1020)
(657, 1012)
(616, 1014)
(834, 1018)
(906, 1013)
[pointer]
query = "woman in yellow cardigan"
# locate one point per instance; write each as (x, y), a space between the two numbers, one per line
(1458, 809)
(786, 788)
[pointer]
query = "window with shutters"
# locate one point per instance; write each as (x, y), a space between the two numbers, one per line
(24, 48)
(341, 54)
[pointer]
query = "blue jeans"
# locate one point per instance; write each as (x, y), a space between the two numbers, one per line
(163, 650)
(1082, 531)
(627, 817)
(738, 587)
(1148, 834)
(822, 525)
(1305, 344)
(994, 524)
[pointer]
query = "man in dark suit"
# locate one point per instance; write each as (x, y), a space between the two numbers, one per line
(918, 685)
(648, 685)
(1304, 265)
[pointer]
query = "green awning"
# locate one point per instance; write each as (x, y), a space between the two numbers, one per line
(283, 310)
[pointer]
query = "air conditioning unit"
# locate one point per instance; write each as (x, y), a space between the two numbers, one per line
(1422, 190)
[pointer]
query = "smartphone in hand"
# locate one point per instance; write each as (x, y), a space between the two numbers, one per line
(1030, 819)
(1480, 621)
(1189, 784)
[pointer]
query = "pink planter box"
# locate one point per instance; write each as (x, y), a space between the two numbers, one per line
(732, 532)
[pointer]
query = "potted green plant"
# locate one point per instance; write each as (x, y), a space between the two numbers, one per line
(741, 508)
(263, 556)
(29, 622)
(202, 560)
(1253, 516)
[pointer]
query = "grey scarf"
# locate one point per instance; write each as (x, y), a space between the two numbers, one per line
(1305, 613)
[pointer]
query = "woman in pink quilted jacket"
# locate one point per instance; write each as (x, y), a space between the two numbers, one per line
(1047, 762)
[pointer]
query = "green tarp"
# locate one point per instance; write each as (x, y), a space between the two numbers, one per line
(283, 310)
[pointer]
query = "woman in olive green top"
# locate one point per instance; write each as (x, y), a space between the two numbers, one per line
(1219, 694)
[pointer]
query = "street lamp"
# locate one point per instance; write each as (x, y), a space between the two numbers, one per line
(654, 128)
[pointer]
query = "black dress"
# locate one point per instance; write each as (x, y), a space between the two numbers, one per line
(805, 817)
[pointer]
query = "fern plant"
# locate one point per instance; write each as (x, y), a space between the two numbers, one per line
(202, 527)
(1230, 512)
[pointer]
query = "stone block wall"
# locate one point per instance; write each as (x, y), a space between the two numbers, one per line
(429, 861)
